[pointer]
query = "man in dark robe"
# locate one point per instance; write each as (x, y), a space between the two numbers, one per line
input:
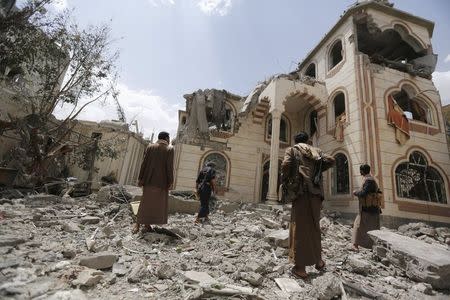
(156, 178)
(304, 232)
(205, 185)
(368, 217)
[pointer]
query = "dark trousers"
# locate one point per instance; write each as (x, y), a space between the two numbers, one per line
(205, 195)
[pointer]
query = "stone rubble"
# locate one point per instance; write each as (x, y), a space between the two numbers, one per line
(241, 254)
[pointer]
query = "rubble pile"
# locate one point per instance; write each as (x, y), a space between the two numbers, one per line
(82, 248)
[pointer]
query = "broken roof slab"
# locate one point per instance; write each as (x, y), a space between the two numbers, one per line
(285, 94)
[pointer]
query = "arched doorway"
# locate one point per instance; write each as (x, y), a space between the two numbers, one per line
(265, 179)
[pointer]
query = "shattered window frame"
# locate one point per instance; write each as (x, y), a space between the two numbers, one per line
(417, 180)
(407, 103)
(341, 175)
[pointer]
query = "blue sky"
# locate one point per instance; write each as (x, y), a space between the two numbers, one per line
(172, 47)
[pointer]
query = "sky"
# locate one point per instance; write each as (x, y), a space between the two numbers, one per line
(169, 48)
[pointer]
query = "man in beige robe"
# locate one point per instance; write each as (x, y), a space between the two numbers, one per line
(305, 246)
(156, 178)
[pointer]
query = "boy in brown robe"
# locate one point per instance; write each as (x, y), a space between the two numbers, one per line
(305, 247)
(156, 178)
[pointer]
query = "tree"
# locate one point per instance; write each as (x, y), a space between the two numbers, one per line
(48, 60)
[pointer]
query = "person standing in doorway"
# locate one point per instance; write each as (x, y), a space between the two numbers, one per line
(156, 179)
(305, 163)
(368, 218)
(205, 186)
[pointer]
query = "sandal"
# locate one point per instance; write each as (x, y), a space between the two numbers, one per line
(354, 248)
(321, 267)
(298, 275)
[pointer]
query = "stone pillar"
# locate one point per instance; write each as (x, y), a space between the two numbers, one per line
(272, 195)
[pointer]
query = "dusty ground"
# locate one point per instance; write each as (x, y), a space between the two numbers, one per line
(46, 242)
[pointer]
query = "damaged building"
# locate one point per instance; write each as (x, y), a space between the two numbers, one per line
(364, 94)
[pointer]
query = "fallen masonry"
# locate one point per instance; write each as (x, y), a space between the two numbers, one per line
(421, 261)
(67, 248)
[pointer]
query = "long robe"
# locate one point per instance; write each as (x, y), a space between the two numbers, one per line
(365, 221)
(156, 176)
(305, 247)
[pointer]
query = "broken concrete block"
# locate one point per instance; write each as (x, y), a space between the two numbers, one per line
(10, 240)
(119, 269)
(200, 278)
(68, 295)
(229, 207)
(88, 278)
(421, 261)
(288, 285)
(359, 265)
(183, 206)
(270, 223)
(9, 264)
(326, 287)
(165, 272)
(423, 288)
(70, 227)
(99, 261)
(428, 231)
(90, 220)
(252, 278)
(278, 238)
(138, 271)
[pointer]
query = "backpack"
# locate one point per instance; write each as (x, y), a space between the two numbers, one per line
(291, 187)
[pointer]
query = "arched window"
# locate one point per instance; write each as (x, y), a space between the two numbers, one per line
(417, 180)
(284, 129)
(335, 55)
(221, 168)
(312, 123)
(339, 105)
(413, 107)
(311, 70)
(341, 175)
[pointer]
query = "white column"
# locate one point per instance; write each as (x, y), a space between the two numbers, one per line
(272, 195)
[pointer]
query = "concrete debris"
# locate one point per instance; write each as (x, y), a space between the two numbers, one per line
(326, 287)
(200, 278)
(288, 285)
(421, 261)
(99, 261)
(70, 227)
(278, 238)
(10, 240)
(138, 272)
(359, 265)
(88, 278)
(66, 295)
(90, 220)
(241, 254)
(253, 278)
(165, 271)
